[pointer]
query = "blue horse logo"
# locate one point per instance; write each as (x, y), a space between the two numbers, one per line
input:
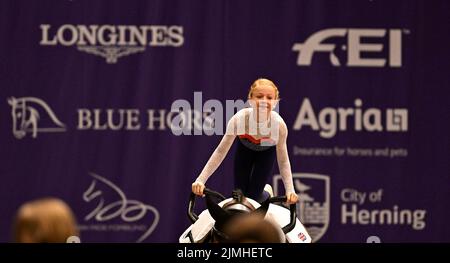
(25, 117)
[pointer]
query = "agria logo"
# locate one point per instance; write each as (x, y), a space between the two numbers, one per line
(112, 41)
(329, 120)
(364, 47)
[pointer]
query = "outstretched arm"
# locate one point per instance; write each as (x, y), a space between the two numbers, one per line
(284, 165)
(216, 158)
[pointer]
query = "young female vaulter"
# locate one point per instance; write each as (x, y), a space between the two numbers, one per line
(262, 135)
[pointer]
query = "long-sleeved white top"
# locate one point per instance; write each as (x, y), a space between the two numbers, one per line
(244, 122)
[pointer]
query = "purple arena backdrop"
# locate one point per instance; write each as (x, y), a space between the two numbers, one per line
(87, 87)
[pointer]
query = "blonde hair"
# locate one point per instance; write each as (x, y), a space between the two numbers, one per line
(47, 220)
(261, 81)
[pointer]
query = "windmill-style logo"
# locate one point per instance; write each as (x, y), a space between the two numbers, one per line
(111, 54)
(313, 208)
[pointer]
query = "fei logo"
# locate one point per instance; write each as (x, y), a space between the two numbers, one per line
(112, 41)
(26, 112)
(355, 46)
(313, 208)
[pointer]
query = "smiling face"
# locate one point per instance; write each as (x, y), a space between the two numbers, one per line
(263, 95)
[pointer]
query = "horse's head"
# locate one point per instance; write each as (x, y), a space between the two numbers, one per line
(17, 114)
(235, 209)
(24, 118)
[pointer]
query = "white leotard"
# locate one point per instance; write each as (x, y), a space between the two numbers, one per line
(244, 122)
